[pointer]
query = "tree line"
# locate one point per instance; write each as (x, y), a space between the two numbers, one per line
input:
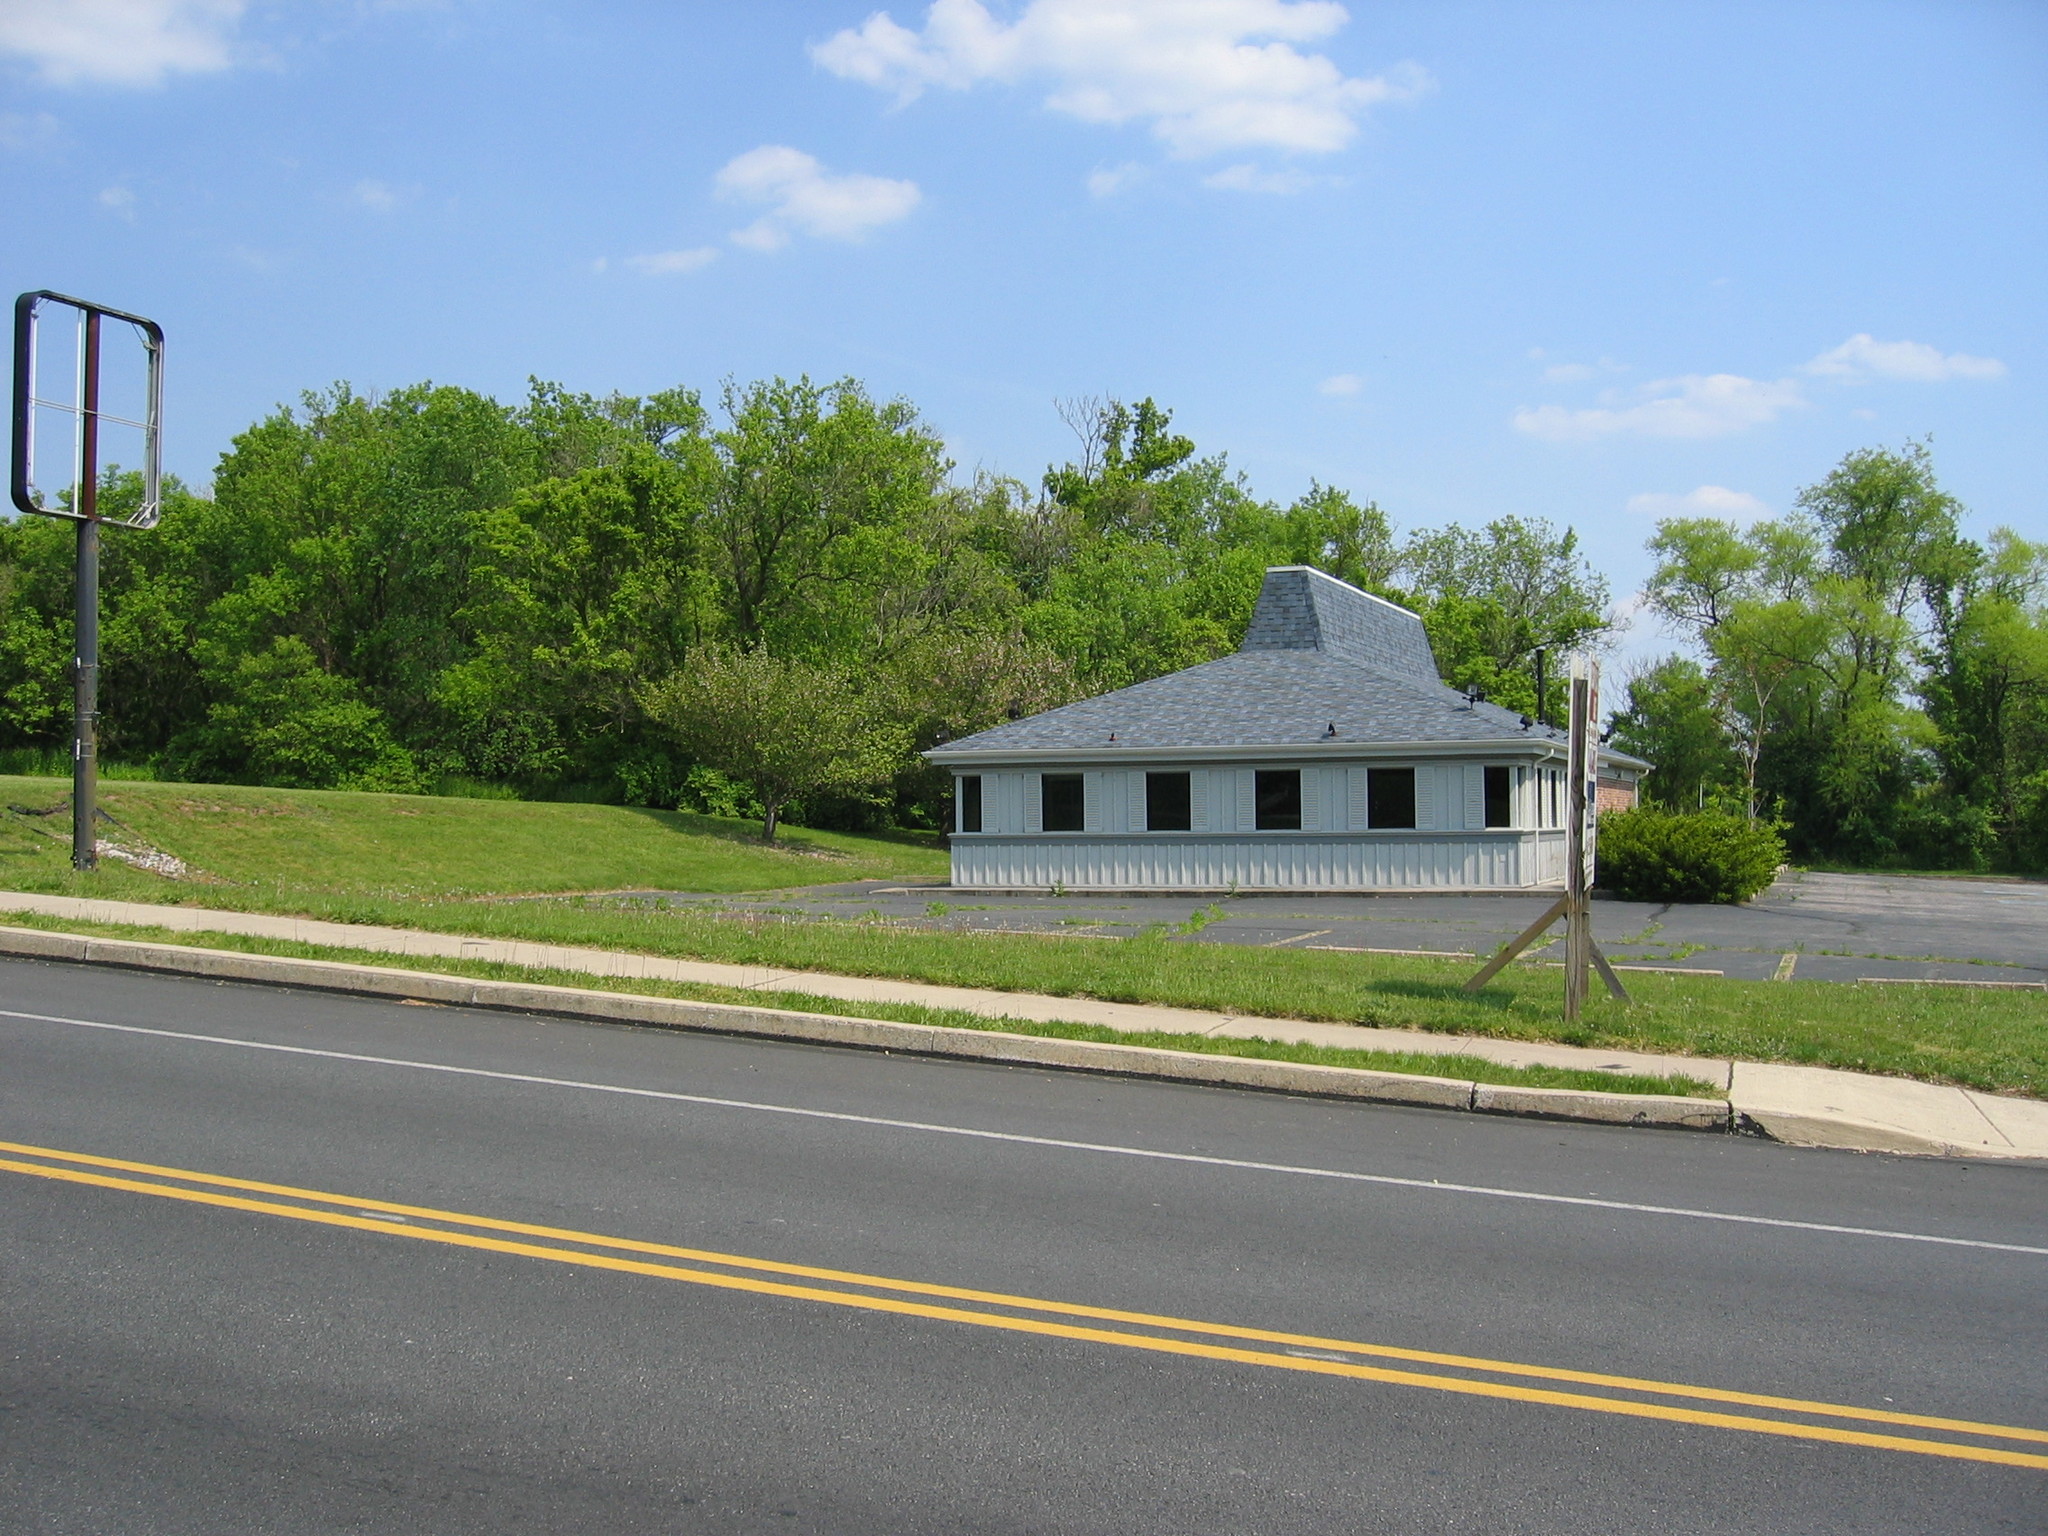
(770, 602)
(1866, 675)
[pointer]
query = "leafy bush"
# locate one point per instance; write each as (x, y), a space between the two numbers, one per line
(1655, 855)
(287, 722)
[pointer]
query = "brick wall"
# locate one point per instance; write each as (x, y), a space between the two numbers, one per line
(1615, 795)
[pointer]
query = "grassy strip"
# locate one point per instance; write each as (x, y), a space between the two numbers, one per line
(1464, 1068)
(1991, 1040)
(422, 845)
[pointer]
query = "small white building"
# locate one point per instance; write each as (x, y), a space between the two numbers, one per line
(1324, 755)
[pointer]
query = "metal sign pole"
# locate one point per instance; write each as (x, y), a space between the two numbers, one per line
(85, 778)
(85, 407)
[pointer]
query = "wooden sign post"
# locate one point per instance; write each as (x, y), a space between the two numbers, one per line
(1575, 906)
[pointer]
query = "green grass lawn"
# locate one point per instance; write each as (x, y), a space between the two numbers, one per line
(287, 840)
(414, 862)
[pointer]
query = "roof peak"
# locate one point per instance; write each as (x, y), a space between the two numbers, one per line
(1303, 609)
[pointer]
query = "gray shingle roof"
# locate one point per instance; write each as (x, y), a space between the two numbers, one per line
(1301, 609)
(1317, 653)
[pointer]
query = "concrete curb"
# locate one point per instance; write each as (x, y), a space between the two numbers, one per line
(1304, 1078)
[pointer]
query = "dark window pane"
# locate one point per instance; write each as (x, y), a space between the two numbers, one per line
(1279, 800)
(1062, 802)
(1169, 802)
(970, 803)
(1390, 797)
(1497, 798)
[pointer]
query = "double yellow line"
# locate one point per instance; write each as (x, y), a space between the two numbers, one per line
(1628, 1396)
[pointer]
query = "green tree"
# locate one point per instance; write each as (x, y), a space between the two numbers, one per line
(783, 728)
(1124, 481)
(814, 498)
(1825, 626)
(1987, 694)
(1326, 529)
(1491, 598)
(582, 588)
(282, 720)
(1673, 717)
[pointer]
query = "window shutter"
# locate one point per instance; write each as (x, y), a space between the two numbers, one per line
(1034, 803)
(1357, 808)
(1425, 796)
(1091, 802)
(1247, 803)
(1311, 799)
(1198, 800)
(1475, 797)
(1134, 802)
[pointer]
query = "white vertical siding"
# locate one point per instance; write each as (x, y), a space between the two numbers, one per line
(1284, 862)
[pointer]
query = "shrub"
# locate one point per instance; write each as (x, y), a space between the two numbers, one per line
(1654, 855)
(286, 722)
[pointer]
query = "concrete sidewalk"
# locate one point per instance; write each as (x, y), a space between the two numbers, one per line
(1811, 1106)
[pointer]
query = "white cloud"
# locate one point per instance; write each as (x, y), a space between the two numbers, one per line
(1715, 404)
(1207, 75)
(1249, 178)
(1342, 384)
(1863, 358)
(1694, 405)
(806, 199)
(374, 195)
(1706, 501)
(672, 263)
(119, 42)
(118, 201)
(1108, 180)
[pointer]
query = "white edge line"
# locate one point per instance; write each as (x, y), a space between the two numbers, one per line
(1019, 1138)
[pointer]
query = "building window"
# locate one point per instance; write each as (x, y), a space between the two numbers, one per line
(1279, 800)
(1169, 802)
(1062, 803)
(1390, 797)
(970, 802)
(1499, 799)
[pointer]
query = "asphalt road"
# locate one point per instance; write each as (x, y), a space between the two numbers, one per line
(1834, 927)
(874, 1341)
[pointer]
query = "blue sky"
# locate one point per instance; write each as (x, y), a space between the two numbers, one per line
(1592, 263)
